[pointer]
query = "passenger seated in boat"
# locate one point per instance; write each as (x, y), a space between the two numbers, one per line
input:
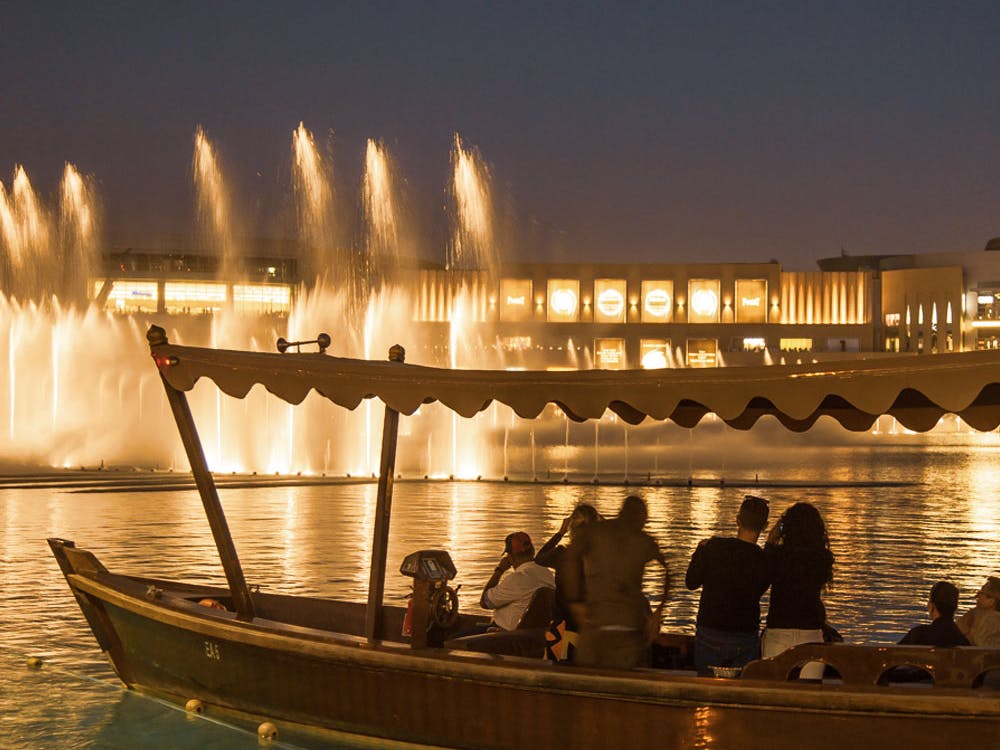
(604, 569)
(981, 624)
(942, 631)
(801, 566)
(565, 629)
(509, 596)
(732, 574)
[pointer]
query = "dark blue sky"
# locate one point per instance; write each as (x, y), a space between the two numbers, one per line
(648, 132)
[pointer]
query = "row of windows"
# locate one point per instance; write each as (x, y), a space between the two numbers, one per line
(654, 354)
(195, 297)
(703, 301)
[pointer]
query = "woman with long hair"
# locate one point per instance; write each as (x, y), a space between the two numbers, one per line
(801, 566)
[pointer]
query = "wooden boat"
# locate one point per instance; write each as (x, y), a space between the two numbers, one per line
(344, 667)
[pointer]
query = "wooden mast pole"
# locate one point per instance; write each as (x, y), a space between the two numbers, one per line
(383, 511)
(206, 485)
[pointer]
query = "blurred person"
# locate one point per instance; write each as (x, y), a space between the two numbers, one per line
(604, 570)
(564, 629)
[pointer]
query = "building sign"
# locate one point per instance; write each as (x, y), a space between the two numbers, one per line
(609, 354)
(751, 300)
(653, 354)
(609, 301)
(515, 343)
(702, 352)
(703, 301)
(130, 296)
(564, 300)
(657, 301)
(515, 300)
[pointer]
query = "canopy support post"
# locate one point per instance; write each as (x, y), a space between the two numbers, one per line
(206, 488)
(383, 511)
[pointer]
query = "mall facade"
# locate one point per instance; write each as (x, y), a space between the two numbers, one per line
(617, 316)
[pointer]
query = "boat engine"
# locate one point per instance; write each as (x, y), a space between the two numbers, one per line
(433, 605)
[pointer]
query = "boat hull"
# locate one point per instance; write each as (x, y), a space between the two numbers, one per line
(161, 642)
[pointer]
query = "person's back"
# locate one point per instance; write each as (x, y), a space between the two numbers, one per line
(942, 631)
(732, 574)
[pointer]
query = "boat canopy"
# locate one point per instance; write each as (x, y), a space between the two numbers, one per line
(916, 390)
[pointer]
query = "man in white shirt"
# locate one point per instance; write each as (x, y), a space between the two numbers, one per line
(981, 624)
(510, 597)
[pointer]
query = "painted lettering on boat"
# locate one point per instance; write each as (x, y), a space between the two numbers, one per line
(212, 650)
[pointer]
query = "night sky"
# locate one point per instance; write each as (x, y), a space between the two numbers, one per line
(662, 132)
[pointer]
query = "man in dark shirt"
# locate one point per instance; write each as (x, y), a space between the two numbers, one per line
(732, 573)
(942, 631)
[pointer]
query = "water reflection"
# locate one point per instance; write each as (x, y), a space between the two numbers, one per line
(891, 543)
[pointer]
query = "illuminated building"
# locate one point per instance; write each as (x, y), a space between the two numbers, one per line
(616, 316)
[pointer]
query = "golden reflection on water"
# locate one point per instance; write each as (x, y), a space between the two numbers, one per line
(702, 728)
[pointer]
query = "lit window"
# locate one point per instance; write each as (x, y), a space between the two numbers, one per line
(515, 300)
(657, 301)
(754, 344)
(515, 343)
(564, 300)
(609, 354)
(129, 296)
(654, 354)
(795, 345)
(750, 300)
(703, 301)
(262, 298)
(609, 301)
(702, 352)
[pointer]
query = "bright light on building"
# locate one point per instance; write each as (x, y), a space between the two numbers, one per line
(610, 296)
(703, 300)
(564, 300)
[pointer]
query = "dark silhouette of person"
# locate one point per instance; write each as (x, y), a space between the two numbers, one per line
(732, 574)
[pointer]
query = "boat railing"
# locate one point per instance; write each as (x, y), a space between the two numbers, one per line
(870, 665)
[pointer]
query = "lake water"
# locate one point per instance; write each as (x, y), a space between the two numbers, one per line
(891, 544)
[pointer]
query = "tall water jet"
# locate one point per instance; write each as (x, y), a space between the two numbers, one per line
(213, 202)
(473, 244)
(78, 231)
(314, 199)
(380, 215)
(25, 235)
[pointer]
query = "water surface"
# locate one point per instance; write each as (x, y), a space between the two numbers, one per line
(891, 543)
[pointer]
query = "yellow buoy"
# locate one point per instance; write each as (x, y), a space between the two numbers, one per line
(267, 731)
(35, 662)
(194, 706)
